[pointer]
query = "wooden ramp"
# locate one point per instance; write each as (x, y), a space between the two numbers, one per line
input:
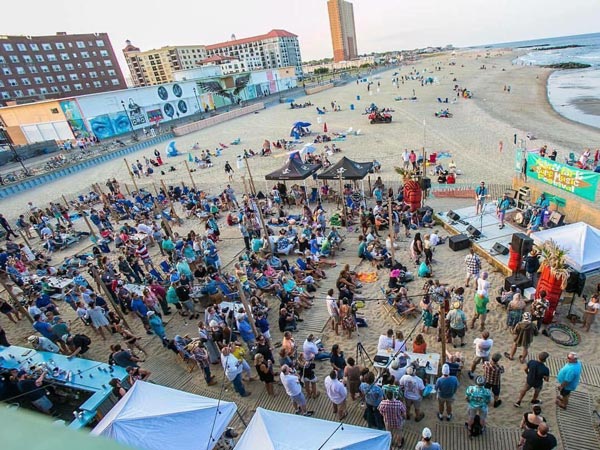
(577, 431)
(590, 373)
(455, 437)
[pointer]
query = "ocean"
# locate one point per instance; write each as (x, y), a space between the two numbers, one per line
(574, 94)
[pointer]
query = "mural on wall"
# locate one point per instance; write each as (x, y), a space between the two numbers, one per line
(136, 113)
(74, 118)
(108, 125)
(226, 96)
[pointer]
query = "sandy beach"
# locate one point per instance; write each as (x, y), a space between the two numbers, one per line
(471, 137)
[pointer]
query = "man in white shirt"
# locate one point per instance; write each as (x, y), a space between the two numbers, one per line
(334, 311)
(312, 351)
(483, 348)
(483, 285)
(292, 387)
(413, 388)
(406, 159)
(337, 393)
(387, 341)
(233, 371)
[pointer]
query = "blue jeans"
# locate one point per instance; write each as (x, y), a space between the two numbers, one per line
(207, 374)
(238, 385)
(322, 356)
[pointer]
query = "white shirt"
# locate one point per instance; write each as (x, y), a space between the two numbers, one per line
(385, 342)
(397, 373)
(413, 386)
(332, 306)
(336, 391)
(46, 345)
(482, 287)
(231, 365)
(310, 350)
(406, 156)
(399, 345)
(291, 384)
(434, 239)
(143, 228)
(483, 347)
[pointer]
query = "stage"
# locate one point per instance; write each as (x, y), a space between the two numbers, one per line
(488, 224)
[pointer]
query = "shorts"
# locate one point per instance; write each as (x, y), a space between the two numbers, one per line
(565, 392)
(445, 401)
(472, 412)
(480, 359)
(457, 333)
(415, 403)
(299, 399)
(495, 388)
(527, 386)
(336, 319)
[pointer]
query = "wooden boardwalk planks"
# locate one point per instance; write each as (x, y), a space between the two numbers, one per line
(455, 437)
(577, 431)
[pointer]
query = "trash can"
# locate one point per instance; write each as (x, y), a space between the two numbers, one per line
(352, 107)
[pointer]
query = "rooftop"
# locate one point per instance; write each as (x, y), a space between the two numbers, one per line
(270, 35)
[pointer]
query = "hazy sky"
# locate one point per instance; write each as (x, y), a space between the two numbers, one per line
(380, 24)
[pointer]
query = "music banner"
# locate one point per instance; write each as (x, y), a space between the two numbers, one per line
(583, 183)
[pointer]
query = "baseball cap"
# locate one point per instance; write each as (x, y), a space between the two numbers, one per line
(527, 316)
(426, 433)
(480, 381)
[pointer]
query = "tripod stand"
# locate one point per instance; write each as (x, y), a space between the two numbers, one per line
(363, 354)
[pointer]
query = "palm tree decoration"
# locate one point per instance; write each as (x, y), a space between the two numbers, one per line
(554, 258)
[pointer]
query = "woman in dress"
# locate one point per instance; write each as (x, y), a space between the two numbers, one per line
(95, 314)
(416, 248)
(337, 360)
(264, 369)
(348, 322)
(306, 370)
(352, 375)
(514, 311)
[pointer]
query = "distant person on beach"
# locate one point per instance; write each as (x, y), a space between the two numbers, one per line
(229, 170)
(473, 264)
(481, 193)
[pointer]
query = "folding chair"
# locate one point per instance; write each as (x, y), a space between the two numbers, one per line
(165, 267)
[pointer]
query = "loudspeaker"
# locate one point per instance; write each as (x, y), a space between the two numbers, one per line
(453, 216)
(459, 242)
(521, 281)
(511, 193)
(521, 243)
(500, 249)
(575, 283)
(473, 232)
(423, 210)
(556, 219)
(425, 183)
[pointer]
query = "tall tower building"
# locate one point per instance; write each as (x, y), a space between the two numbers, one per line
(343, 34)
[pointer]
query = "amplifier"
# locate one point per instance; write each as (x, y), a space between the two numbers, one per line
(500, 249)
(473, 232)
(452, 215)
(380, 359)
(521, 243)
(521, 281)
(459, 242)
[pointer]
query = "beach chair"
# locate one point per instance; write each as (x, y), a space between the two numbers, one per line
(165, 267)
(236, 141)
(156, 274)
(571, 159)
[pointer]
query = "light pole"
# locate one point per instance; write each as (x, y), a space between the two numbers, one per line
(127, 114)
(5, 137)
(197, 101)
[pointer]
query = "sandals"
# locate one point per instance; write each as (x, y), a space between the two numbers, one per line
(507, 356)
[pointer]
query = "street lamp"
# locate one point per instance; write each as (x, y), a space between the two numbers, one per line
(197, 101)
(5, 138)
(127, 114)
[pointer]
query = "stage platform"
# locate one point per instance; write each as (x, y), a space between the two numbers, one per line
(489, 225)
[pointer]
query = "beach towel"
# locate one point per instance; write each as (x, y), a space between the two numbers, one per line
(367, 277)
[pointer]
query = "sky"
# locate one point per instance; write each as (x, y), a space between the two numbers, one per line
(381, 25)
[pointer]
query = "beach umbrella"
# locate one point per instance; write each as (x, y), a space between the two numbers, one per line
(302, 124)
(309, 148)
(325, 127)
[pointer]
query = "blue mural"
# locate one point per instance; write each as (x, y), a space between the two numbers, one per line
(109, 125)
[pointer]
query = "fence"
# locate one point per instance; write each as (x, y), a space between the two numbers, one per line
(314, 90)
(215, 120)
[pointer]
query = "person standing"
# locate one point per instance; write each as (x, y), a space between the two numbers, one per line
(394, 413)
(291, 383)
(31, 390)
(538, 309)
(591, 310)
(9, 231)
(337, 393)
(478, 398)
(229, 171)
(524, 332)
(425, 442)
(373, 396)
(458, 323)
(413, 388)
(539, 439)
(492, 372)
(406, 159)
(481, 193)
(473, 265)
(568, 377)
(481, 310)
(503, 206)
(334, 311)
(446, 387)
(537, 372)
(532, 265)
(233, 371)
(483, 347)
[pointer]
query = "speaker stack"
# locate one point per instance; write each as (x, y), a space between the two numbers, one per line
(556, 220)
(500, 249)
(459, 242)
(473, 232)
(521, 243)
(453, 216)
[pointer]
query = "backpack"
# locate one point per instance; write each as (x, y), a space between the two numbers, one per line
(476, 428)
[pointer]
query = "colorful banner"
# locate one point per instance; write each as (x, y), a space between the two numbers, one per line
(74, 117)
(583, 183)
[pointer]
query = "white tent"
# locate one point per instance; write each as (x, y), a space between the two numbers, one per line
(155, 417)
(269, 430)
(582, 242)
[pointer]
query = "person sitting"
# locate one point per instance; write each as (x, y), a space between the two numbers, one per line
(450, 178)
(424, 270)
(386, 341)
(427, 219)
(506, 296)
(543, 202)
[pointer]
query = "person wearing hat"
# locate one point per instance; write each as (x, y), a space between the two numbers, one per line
(458, 323)
(492, 372)
(446, 387)
(30, 388)
(43, 344)
(568, 377)
(532, 265)
(524, 332)
(478, 398)
(398, 366)
(412, 387)
(425, 443)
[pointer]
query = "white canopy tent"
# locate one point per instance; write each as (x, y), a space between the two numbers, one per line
(155, 417)
(269, 430)
(582, 241)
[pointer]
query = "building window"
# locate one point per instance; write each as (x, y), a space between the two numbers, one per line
(37, 80)
(51, 57)
(73, 77)
(108, 63)
(56, 68)
(112, 73)
(80, 44)
(89, 64)
(43, 90)
(18, 93)
(22, 47)
(39, 58)
(78, 87)
(69, 67)
(85, 54)
(12, 82)
(14, 58)
(2, 60)
(5, 95)
(44, 69)
(104, 53)
(6, 71)
(20, 70)
(27, 59)
(50, 79)
(115, 82)
(25, 81)
(34, 47)
(64, 56)
(1, 83)
(97, 84)
(8, 47)
(99, 43)
(54, 89)
(66, 88)
(46, 47)
(60, 46)
(31, 92)
(61, 78)
(93, 75)
(32, 69)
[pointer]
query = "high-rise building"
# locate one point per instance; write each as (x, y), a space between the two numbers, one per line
(63, 65)
(274, 50)
(153, 67)
(343, 34)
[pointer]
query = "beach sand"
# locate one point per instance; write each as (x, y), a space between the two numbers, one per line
(471, 137)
